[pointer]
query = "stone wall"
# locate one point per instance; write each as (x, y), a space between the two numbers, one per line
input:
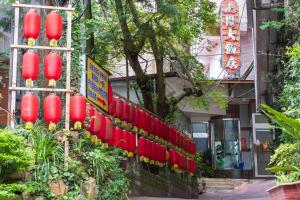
(149, 181)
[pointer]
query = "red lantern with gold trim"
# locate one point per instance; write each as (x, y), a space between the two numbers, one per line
(77, 110)
(53, 68)
(30, 67)
(132, 144)
(32, 26)
(29, 109)
(118, 137)
(90, 113)
(52, 110)
(119, 108)
(126, 109)
(142, 149)
(132, 114)
(54, 27)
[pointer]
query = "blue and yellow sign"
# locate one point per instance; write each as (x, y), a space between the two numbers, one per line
(97, 84)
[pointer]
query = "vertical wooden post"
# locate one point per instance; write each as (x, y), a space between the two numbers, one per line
(14, 67)
(68, 80)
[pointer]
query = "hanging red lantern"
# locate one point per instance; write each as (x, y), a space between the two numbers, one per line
(30, 67)
(90, 113)
(97, 123)
(110, 97)
(126, 108)
(29, 109)
(54, 27)
(52, 110)
(53, 68)
(77, 110)
(118, 137)
(112, 106)
(142, 149)
(32, 26)
(119, 108)
(105, 133)
(132, 112)
(132, 144)
(173, 159)
(109, 131)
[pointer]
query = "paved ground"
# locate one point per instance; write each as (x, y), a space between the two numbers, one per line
(255, 190)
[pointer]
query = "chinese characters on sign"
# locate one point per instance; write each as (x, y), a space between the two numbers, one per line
(97, 85)
(230, 36)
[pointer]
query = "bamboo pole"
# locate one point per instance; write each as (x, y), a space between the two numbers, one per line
(39, 89)
(18, 5)
(14, 67)
(68, 80)
(20, 46)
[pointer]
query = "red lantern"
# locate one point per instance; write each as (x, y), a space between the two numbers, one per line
(30, 67)
(77, 110)
(54, 27)
(32, 26)
(90, 112)
(112, 106)
(118, 137)
(142, 149)
(132, 144)
(119, 108)
(173, 135)
(131, 118)
(97, 123)
(126, 109)
(105, 133)
(52, 110)
(110, 96)
(173, 158)
(29, 109)
(53, 68)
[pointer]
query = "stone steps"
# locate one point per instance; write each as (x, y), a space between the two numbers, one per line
(222, 184)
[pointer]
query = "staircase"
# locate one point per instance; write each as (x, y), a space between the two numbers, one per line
(221, 184)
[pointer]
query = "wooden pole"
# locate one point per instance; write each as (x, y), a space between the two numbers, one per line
(14, 67)
(68, 80)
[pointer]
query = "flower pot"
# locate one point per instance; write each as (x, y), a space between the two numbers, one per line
(289, 191)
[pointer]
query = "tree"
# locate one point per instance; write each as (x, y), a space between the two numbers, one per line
(163, 28)
(286, 79)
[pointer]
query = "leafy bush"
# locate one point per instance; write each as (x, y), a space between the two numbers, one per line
(14, 155)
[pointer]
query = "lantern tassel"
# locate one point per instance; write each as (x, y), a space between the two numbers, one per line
(52, 126)
(77, 125)
(130, 154)
(29, 83)
(31, 42)
(53, 43)
(28, 125)
(52, 83)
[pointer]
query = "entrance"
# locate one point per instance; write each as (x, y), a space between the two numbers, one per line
(263, 137)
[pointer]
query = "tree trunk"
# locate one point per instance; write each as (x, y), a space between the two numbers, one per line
(90, 43)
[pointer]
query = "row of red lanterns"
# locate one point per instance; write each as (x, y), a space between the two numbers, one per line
(103, 130)
(149, 125)
(32, 27)
(52, 67)
(52, 110)
(151, 152)
(179, 162)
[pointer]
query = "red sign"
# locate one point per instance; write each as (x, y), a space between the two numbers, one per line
(230, 36)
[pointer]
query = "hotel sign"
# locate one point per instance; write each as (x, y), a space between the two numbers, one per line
(230, 36)
(97, 84)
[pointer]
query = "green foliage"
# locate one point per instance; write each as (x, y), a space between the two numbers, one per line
(288, 125)
(14, 154)
(287, 79)
(286, 162)
(104, 166)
